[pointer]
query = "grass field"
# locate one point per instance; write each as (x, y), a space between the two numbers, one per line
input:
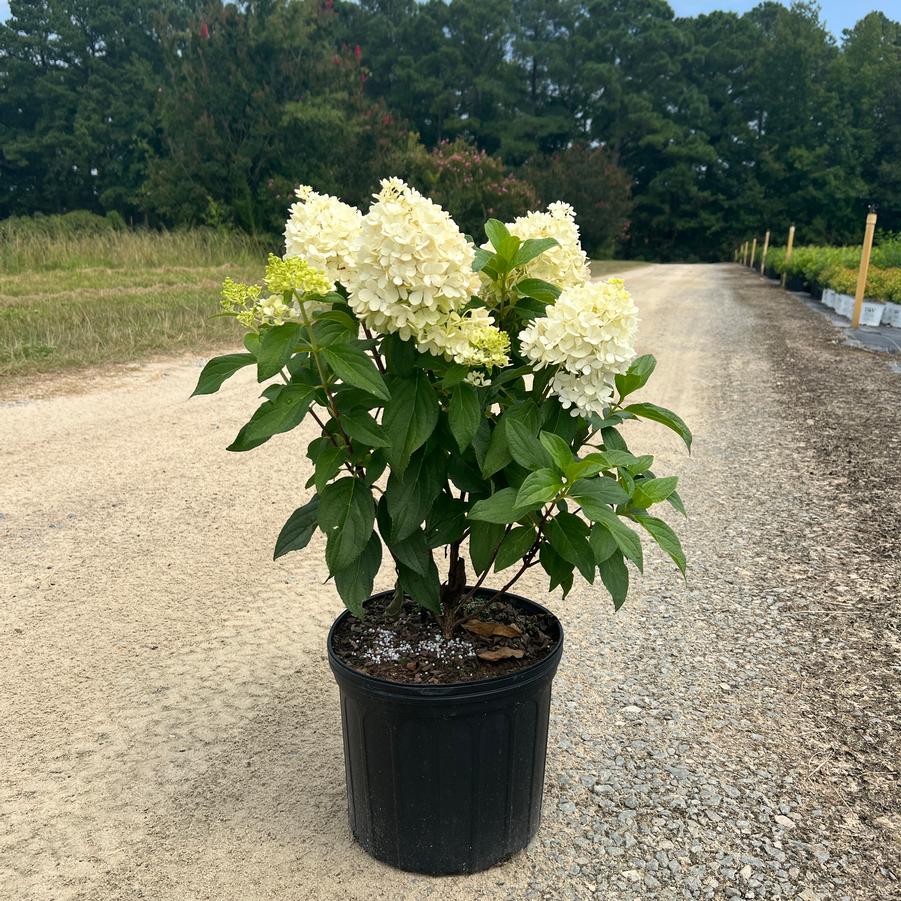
(70, 300)
(86, 300)
(602, 268)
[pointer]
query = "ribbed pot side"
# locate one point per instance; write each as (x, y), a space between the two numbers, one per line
(446, 779)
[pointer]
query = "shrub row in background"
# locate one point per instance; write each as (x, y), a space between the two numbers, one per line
(837, 267)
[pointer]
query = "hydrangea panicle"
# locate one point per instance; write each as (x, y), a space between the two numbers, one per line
(411, 274)
(291, 282)
(589, 334)
(320, 229)
(565, 265)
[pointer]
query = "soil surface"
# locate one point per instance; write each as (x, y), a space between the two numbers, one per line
(493, 640)
(169, 727)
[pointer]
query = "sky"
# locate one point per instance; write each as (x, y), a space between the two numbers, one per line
(838, 14)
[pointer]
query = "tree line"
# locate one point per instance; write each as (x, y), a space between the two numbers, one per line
(673, 138)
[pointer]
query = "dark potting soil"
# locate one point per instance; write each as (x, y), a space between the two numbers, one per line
(410, 648)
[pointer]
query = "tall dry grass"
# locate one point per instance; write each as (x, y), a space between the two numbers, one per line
(33, 250)
(73, 296)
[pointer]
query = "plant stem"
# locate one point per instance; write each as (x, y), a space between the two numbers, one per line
(376, 356)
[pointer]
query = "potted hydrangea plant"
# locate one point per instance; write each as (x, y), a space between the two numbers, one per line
(465, 405)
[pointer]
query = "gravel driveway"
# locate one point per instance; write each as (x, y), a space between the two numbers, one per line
(170, 729)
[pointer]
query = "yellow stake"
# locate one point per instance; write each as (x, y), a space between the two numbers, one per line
(864, 267)
(766, 245)
(753, 252)
(788, 250)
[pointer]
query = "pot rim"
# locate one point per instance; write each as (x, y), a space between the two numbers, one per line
(450, 691)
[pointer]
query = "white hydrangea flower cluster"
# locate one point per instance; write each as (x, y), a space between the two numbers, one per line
(320, 228)
(411, 274)
(589, 333)
(470, 339)
(565, 265)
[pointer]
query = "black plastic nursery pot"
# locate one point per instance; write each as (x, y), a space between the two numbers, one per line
(794, 283)
(445, 779)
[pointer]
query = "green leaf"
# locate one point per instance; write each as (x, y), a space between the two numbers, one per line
(334, 326)
(484, 537)
(531, 248)
(349, 399)
(276, 347)
(538, 488)
(614, 458)
(613, 441)
(446, 521)
(328, 460)
(601, 541)
(454, 374)
(281, 414)
(464, 412)
(352, 365)
(537, 289)
(593, 492)
(665, 537)
(465, 476)
(568, 536)
(676, 501)
(636, 376)
(559, 450)
(422, 590)
(559, 570)
(400, 355)
(252, 343)
(653, 491)
(354, 581)
(615, 576)
(298, 530)
(525, 448)
(626, 539)
(218, 370)
(514, 547)
(497, 233)
(527, 308)
(410, 417)
(584, 469)
(497, 455)
(346, 516)
(499, 508)
(482, 259)
(663, 416)
(409, 495)
(360, 426)
(506, 252)
(641, 464)
(413, 552)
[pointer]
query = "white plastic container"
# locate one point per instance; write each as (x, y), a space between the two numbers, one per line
(844, 305)
(871, 312)
(892, 314)
(828, 298)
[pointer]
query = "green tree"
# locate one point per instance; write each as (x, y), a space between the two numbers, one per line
(77, 86)
(256, 101)
(598, 189)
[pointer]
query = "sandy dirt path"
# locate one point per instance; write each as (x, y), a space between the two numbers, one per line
(169, 728)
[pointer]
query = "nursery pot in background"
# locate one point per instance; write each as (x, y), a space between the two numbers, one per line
(446, 779)
(871, 312)
(892, 314)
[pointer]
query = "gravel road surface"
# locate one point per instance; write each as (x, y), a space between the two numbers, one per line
(169, 728)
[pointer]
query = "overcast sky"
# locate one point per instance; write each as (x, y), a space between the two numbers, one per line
(839, 14)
